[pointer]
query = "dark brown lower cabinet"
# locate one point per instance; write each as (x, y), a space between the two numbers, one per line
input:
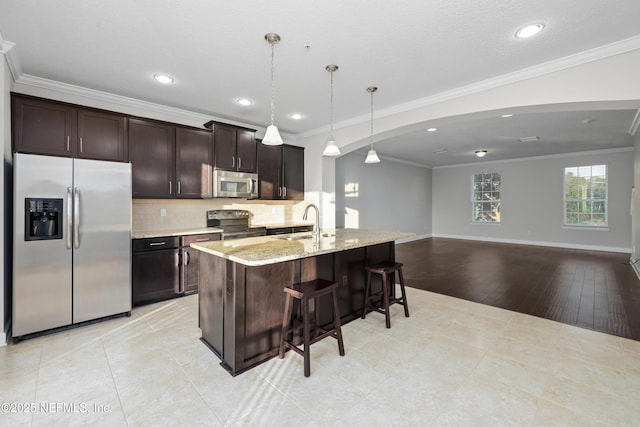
(166, 267)
(241, 306)
(155, 269)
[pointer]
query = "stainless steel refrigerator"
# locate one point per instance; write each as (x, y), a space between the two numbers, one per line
(72, 241)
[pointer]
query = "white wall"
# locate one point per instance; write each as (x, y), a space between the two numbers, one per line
(5, 179)
(635, 227)
(532, 202)
(387, 195)
(610, 82)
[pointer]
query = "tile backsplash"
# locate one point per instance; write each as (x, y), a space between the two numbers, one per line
(184, 213)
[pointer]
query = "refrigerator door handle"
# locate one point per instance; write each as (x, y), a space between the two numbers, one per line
(69, 217)
(76, 218)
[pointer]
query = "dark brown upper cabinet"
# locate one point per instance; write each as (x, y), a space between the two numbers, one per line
(152, 154)
(234, 148)
(55, 128)
(280, 172)
(170, 161)
(101, 136)
(194, 155)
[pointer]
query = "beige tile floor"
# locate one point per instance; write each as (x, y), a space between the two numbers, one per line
(452, 363)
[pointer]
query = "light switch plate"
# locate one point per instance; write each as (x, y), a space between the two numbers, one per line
(163, 212)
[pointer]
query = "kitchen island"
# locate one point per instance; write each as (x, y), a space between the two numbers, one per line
(241, 298)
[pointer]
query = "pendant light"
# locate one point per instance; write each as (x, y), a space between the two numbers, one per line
(272, 136)
(331, 149)
(372, 156)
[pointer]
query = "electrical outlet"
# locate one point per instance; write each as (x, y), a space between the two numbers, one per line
(163, 212)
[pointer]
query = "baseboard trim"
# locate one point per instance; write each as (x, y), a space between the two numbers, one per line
(411, 239)
(537, 243)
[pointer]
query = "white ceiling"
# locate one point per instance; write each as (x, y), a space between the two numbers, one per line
(410, 50)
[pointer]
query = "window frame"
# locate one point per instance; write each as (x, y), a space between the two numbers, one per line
(474, 200)
(605, 200)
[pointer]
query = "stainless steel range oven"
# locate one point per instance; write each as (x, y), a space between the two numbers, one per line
(234, 223)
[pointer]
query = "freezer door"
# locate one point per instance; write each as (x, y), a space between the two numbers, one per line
(42, 289)
(102, 244)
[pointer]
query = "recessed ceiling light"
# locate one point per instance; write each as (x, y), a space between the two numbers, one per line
(529, 139)
(507, 115)
(163, 78)
(432, 129)
(296, 116)
(529, 30)
(481, 153)
(244, 101)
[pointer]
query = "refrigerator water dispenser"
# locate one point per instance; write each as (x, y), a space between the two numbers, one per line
(43, 219)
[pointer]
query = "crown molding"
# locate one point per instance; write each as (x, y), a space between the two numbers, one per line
(7, 48)
(549, 156)
(580, 58)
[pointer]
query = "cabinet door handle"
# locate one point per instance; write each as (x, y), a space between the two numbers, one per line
(279, 191)
(81, 144)
(203, 240)
(157, 243)
(69, 217)
(178, 187)
(239, 162)
(285, 192)
(67, 142)
(178, 259)
(76, 218)
(188, 258)
(233, 161)
(169, 187)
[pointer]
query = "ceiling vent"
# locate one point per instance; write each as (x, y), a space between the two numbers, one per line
(530, 139)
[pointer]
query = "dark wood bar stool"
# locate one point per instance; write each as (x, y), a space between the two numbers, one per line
(306, 292)
(387, 270)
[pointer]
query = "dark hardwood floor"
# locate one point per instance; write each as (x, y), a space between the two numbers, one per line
(590, 289)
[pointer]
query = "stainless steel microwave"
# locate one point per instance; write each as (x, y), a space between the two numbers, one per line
(235, 184)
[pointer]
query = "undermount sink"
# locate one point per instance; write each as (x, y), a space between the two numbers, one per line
(304, 236)
(295, 237)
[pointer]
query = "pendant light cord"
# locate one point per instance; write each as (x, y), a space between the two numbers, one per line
(331, 109)
(273, 86)
(371, 137)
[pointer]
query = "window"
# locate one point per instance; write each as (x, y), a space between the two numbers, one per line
(486, 197)
(585, 196)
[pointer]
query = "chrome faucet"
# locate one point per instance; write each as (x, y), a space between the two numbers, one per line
(316, 226)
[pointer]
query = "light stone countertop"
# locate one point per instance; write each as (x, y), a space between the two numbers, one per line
(254, 251)
(175, 232)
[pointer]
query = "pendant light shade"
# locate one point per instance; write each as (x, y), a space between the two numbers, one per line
(372, 156)
(331, 149)
(272, 136)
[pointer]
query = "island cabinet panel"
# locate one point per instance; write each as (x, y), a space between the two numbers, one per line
(241, 306)
(211, 296)
(261, 289)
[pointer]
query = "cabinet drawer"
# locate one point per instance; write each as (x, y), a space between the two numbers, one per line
(155, 244)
